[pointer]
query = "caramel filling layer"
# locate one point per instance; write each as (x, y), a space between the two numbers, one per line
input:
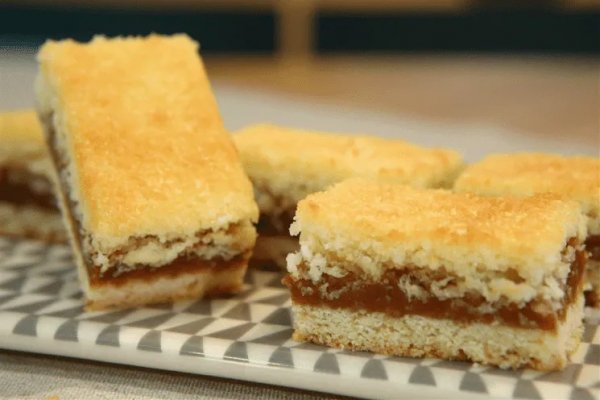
(591, 299)
(179, 266)
(592, 245)
(353, 292)
(22, 194)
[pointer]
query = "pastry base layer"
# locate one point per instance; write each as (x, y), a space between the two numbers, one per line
(32, 222)
(166, 288)
(270, 251)
(416, 336)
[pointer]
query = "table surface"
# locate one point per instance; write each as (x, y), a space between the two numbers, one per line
(541, 96)
(541, 99)
(34, 376)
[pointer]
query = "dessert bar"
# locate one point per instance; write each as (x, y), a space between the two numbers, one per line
(155, 197)
(524, 174)
(431, 273)
(286, 164)
(27, 205)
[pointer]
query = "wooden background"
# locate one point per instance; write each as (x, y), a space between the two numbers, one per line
(536, 95)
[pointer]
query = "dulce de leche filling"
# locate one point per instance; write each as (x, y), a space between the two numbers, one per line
(179, 266)
(22, 194)
(592, 245)
(385, 295)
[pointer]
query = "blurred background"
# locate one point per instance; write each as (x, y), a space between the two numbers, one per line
(485, 75)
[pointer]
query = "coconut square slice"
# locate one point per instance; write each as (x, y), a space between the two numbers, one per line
(432, 273)
(155, 197)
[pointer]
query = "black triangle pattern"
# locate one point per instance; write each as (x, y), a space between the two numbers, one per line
(15, 284)
(473, 383)
(278, 338)
(202, 307)
(109, 336)
(245, 293)
(276, 300)
(7, 298)
(327, 363)
(27, 326)
(53, 288)
(422, 376)
(32, 308)
(280, 316)
(241, 312)
(374, 369)
(17, 260)
(194, 346)
(526, 390)
(233, 333)
(581, 394)
(191, 328)
(152, 322)
(60, 273)
(237, 351)
(567, 375)
(593, 354)
(282, 357)
(73, 312)
(150, 342)
(110, 317)
(21, 266)
(67, 331)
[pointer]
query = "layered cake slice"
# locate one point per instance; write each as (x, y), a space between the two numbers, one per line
(285, 165)
(155, 197)
(27, 205)
(524, 174)
(430, 273)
